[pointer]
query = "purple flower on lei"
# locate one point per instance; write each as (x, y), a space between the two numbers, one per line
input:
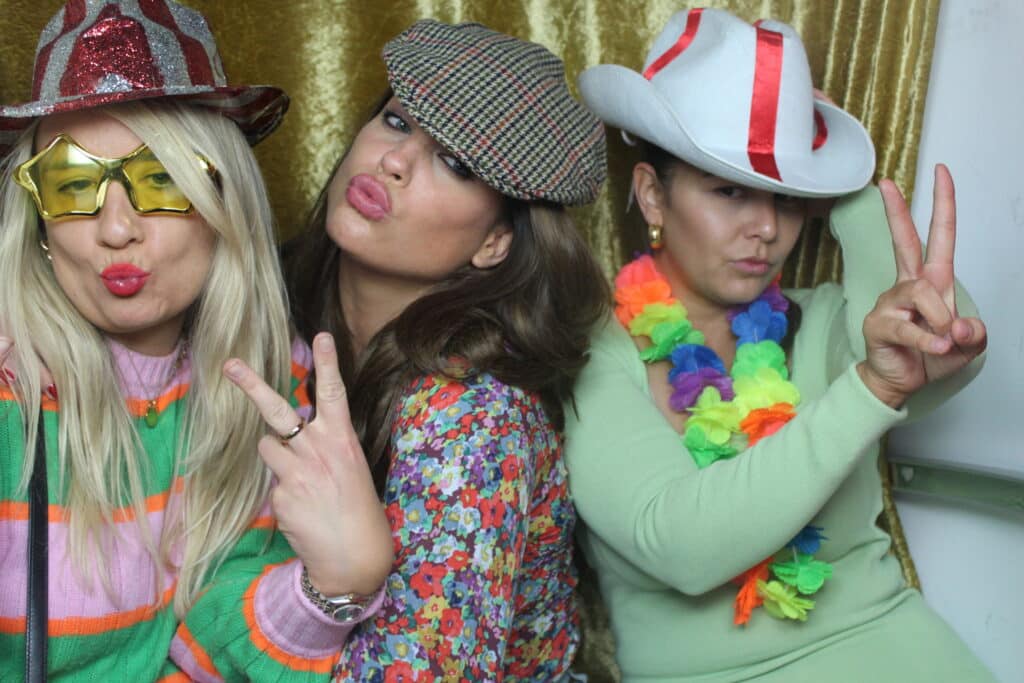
(759, 322)
(693, 357)
(689, 385)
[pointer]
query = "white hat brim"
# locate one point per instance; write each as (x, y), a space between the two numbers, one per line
(624, 99)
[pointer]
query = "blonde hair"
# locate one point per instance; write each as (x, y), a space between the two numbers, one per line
(241, 312)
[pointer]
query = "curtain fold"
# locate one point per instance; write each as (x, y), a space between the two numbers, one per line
(872, 57)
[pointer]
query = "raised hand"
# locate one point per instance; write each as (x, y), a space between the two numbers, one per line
(324, 500)
(914, 335)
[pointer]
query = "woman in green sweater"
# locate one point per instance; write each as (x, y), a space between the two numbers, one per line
(723, 449)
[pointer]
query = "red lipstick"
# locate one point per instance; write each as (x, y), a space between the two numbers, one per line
(124, 279)
(369, 197)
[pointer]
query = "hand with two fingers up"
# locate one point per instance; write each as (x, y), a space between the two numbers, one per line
(324, 500)
(914, 334)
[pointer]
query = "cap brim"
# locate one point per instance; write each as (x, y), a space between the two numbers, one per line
(623, 98)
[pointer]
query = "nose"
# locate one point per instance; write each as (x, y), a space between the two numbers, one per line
(118, 221)
(763, 221)
(398, 160)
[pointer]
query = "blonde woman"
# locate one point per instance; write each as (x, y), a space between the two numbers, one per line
(137, 253)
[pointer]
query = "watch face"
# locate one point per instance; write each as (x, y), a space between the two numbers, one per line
(349, 612)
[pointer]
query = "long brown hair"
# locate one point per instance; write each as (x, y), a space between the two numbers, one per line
(526, 321)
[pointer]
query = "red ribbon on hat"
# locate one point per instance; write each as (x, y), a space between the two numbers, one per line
(764, 104)
(692, 22)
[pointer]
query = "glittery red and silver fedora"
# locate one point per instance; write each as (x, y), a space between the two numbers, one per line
(98, 52)
(735, 100)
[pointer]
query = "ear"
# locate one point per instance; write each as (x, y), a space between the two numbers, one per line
(495, 247)
(649, 193)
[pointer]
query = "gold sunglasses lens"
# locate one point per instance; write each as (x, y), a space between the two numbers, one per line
(152, 187)
(67, 180)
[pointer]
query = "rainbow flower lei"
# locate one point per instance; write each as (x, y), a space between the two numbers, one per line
(729, 412)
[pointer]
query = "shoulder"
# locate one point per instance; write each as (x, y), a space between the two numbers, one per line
(826, 296)
(477, 401)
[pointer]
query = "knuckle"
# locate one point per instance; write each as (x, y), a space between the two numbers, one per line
(330, 391)
(279, 411)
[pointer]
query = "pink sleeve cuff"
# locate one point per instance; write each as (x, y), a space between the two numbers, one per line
(293, 623)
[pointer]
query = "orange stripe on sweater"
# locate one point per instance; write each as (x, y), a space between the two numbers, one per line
(198, 653)
(7, 394)
(265, 522)
(138, 407)
(176, 677)
(91, 626)
(323, 665)
(15, 511)
(301, 373)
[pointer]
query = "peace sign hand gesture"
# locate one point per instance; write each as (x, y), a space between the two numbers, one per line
(914, 335)
(324, 500)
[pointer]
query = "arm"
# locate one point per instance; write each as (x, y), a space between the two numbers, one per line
(252, 622)
(695, 530)
(458, 501)
(638, 490)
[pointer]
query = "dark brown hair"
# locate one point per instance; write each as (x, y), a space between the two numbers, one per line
(664, 164)
(526, 321)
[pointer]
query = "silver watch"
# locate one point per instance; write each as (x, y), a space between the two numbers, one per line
(344, 608)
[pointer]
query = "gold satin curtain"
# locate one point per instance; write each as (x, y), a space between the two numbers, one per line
(871, 56)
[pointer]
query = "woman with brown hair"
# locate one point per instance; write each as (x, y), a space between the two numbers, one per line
(723, 456)
(441, 257)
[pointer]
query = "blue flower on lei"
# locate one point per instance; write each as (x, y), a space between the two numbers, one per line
(759, 322)
(808, 540)
(693, 357)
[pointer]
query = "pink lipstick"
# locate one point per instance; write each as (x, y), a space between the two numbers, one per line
(752, 266)
(369, 197)
(124, 279)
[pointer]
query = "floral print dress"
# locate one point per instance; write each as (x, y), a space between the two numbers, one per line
(482, 587)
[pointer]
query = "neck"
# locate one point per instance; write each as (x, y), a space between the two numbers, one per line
(155, 341)
(370, 300)
(709, 317)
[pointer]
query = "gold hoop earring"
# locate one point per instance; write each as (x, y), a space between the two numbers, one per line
(46, 250)
(654, 236)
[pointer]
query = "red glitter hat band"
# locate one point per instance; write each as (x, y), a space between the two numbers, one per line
(97, 52)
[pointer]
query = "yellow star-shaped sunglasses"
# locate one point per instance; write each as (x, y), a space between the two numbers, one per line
(66, 181)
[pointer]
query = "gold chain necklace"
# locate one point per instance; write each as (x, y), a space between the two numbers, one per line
(152, 416)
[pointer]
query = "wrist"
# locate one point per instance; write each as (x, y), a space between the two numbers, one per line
(345, 607)
(334, 585)
(881, 389)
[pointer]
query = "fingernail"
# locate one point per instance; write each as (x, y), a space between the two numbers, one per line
(8, 376)
(324, 342)
(233, 369)
(51, 391)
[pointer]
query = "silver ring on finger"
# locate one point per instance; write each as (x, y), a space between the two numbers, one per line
(291, 433)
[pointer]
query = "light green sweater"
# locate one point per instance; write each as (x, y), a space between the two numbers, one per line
(665, 538)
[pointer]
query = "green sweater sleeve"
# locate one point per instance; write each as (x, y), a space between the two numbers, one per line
(638, 491)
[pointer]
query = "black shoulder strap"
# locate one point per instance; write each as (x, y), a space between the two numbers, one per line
(36, 617)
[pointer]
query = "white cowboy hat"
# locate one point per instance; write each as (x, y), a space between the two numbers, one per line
(735, 100)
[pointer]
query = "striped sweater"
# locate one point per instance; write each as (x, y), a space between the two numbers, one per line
(250, 623)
